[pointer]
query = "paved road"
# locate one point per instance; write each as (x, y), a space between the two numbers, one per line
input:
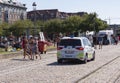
(105, 69)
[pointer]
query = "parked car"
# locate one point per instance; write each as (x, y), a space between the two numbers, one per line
(75, 48)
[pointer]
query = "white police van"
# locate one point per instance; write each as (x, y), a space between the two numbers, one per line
(72, 48)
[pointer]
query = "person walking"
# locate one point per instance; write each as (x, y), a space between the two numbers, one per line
(36, 48)
(32, 47)
(24, 46)
(100, 41)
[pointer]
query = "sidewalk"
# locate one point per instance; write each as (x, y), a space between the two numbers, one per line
(20, 53)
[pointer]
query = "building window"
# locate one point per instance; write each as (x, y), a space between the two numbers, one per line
(6, 16)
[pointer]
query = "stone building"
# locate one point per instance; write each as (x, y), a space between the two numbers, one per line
(50, 14)
(11, 11)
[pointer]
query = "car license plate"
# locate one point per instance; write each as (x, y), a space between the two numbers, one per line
(68, 56)
(69, 52)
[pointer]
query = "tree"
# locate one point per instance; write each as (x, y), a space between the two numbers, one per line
(90, 22)
(39, 25)
(53, 26)
(72, 24)
(4, 29)
(20, 27)
(100, 25)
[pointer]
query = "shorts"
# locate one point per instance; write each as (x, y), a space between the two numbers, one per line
(100, 42)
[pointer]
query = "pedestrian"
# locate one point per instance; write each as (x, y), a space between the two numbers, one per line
(6, 44)
(115, 40)
(36, 48)
(112, 40)
(95, 41)
(42, 46)
(57, 40)
(32, 47)
(90, 37)
(100, 41)
(24, 46)
(45, 47)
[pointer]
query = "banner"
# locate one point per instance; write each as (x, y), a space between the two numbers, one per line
(42, 36)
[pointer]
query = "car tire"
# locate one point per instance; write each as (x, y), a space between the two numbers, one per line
(93, 58)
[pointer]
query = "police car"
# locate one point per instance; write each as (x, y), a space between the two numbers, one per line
(75, 48)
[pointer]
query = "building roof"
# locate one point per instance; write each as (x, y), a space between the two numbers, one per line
(12, 2)
(47, 10)
(55, 11)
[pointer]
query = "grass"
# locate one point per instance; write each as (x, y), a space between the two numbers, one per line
(2, 51)
(51, 47)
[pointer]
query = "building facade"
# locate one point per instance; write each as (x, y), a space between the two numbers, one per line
(11, 11)
(50, 14)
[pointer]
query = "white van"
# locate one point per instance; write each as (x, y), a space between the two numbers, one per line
(72, 48)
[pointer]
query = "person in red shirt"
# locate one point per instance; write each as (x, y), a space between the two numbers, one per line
(24, 46)
(42, 46)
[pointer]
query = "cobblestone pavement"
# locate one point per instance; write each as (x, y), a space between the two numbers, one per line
(46, 70)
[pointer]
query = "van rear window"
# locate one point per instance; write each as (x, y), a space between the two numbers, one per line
(70, 42)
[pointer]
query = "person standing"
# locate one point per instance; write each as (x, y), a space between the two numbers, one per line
(95, 41)
(57, 40)
(90, 37)
(100, 41)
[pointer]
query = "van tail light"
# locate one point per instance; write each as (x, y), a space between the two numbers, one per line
(79, 48)
(59, 48)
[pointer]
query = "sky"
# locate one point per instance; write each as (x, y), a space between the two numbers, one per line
(107, 10)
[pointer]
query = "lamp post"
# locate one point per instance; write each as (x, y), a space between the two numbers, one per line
(34, 10)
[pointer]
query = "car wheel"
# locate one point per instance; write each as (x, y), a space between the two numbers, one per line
(86, 59)
(93, 57)
(59, 61)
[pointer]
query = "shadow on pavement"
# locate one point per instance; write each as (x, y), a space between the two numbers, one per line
(65, 63)
(20, 59)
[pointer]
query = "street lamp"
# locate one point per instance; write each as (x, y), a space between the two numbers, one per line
(34, 10)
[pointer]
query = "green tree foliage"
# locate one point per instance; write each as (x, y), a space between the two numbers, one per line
(39, 25)
(4, 29)
(53, 26)
(71, 24)
(20, 27)
(100, 25)
(90, 22)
